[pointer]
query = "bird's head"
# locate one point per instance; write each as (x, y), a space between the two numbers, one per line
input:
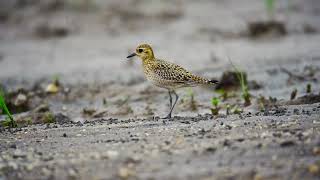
(144, 51)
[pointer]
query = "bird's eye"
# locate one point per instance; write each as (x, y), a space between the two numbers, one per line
(140, 50)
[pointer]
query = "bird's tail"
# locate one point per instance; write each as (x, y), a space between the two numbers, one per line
(201, 80)
(213, 81)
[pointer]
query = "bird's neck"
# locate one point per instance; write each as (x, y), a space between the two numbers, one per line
(148, 60)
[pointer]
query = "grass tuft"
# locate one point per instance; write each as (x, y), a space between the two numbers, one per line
(244, 85)
(215, 106)
(293, 94)
(270, 7)
(308, 88)
(9, 122)
(49, 118)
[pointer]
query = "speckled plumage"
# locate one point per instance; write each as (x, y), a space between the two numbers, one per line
(165, 74)
(170, 76)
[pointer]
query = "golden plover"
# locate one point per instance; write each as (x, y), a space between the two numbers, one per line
(167, 75)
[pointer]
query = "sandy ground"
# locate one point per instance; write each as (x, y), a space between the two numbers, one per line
(106, 115)
(267, 146)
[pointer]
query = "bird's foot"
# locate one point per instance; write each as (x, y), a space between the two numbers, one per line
(167, 117)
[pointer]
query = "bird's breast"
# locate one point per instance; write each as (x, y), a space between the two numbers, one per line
(156, 80)
(152, 77)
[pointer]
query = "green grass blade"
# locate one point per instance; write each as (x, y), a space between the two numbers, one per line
(215, 101)
(240, 76)
(5, 109)
(243, 83)
(270, 4)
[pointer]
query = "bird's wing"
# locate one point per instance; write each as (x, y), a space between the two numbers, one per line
(172, 72)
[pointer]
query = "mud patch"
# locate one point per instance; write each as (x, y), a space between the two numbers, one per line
(48, 31)
(268, 28)
(306, 99)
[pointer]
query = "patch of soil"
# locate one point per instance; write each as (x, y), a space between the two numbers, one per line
(306, 99)
(263, 28)
(230, 80)
(48, 31)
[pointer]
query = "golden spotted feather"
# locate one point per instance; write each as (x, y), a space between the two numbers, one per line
(169, 75)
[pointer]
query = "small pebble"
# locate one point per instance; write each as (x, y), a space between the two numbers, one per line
(20, 100)
(228, 127)
(313, 169)
(111, 154)
(287, 143)
(72, 173)
(13, 165)
(19, 154)
(211, 149)
(316, 150)
(46, 171)
(226, 142)
(125, 173)
(296, 111)
(14, 146)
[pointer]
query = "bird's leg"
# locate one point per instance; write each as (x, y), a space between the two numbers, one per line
(175, 102)
(170, 100)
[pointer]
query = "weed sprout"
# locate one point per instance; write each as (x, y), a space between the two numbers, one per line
(9, 120)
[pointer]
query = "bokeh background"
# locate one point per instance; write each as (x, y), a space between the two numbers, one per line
(87, 41)
(84, 111)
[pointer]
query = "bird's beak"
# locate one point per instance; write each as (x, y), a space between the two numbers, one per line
(131, 55)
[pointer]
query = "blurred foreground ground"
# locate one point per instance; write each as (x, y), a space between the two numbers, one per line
(104, 112)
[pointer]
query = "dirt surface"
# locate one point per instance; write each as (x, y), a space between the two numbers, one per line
(103, 121)
(272, 145)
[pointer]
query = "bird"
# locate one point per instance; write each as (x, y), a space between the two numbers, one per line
(167, 75)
